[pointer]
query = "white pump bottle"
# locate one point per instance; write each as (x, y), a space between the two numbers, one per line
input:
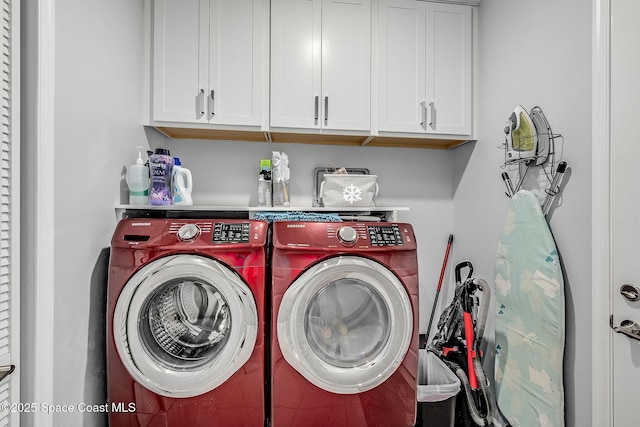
(138, 181)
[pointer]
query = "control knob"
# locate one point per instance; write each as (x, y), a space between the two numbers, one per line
(188, 233)
(347, 235)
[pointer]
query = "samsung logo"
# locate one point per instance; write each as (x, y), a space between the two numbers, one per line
(140, 224)
(295, 225)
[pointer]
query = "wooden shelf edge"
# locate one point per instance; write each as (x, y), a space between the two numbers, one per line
(410, 141)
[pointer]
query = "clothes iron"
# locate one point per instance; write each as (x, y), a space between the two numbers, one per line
(521, 137)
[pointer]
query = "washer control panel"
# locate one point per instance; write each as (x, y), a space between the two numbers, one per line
(385, 235)
(224, 232)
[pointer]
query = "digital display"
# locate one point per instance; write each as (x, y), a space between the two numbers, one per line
(385, 235)
(231, 233)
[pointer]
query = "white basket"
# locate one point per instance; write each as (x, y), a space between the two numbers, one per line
(339, 190)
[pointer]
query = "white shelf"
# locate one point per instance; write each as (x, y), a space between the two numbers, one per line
(390, 213)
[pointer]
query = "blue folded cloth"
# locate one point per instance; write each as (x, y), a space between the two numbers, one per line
(298, 216)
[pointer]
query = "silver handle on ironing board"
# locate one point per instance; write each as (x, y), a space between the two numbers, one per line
(628, 328)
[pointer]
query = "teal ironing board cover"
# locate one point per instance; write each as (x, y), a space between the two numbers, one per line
(530, 318)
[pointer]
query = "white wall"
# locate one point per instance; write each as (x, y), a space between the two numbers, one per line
(99, 51)
(98, 104)
(535, 53)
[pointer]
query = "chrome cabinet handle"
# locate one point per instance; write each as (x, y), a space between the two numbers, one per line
(432, 115)
(326, 109)
(316, 105)
(200, 104)
(423, 108)
(5, 371)
(211, 99)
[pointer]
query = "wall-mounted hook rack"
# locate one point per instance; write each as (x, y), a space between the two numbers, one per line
(529, 142)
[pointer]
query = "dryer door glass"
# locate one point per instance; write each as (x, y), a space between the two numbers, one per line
(183, 324)
(345, 324)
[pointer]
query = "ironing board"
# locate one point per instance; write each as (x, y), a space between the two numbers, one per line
(530, 318)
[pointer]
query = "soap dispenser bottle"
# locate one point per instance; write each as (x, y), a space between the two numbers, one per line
(138, 181)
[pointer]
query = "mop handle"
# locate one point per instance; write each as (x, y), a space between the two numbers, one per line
(442, 271)
(444, 262)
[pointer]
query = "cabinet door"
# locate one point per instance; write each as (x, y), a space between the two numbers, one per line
(346, 64)
(401, 66)
(236, 62)
(449, 67)
(180, 60)
(295, 63)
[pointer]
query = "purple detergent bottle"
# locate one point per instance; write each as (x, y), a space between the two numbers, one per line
(161, 170)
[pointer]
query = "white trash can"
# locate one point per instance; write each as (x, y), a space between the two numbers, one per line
(438, 387)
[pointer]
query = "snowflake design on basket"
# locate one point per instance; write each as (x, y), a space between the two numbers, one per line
(351, 193)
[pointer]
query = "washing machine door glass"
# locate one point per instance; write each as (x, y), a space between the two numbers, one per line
(184, 324)
(345, 324)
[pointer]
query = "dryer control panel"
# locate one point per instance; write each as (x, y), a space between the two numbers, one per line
(378, 236)
(385, 235)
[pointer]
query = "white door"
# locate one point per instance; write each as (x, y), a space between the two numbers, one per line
(321, 64)
(180, 54)
(208, 61)
(401, 66)
(346, 64)
(295, 63)
(625, 204)
(236, 62)
(345, 324)
(449, 66)
(184, 324)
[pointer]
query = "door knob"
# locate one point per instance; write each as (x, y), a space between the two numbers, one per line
(630, 292)
(628, 328)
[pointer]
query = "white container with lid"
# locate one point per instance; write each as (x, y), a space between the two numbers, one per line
(182, 184)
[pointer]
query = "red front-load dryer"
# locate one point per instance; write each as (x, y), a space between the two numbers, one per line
(186, 323)
(344, 338)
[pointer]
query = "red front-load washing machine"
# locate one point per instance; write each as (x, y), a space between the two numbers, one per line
(344, 339)
(186, 323)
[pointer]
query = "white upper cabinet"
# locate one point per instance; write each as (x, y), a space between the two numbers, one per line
(424, 67)
(209, 61)
(321, 64)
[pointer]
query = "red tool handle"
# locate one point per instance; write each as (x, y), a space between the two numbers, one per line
(471, 354)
